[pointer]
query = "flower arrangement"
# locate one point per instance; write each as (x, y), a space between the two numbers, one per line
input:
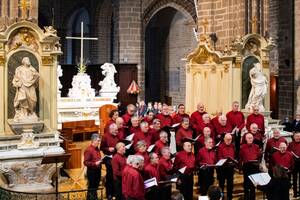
(82, 67)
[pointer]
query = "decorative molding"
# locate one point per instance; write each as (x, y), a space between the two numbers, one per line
(2, 60)
(47, 60)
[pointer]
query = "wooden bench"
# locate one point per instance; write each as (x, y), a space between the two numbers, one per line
(84, 128)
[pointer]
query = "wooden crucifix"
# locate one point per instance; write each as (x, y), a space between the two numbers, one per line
(24, 5)
(81, 38)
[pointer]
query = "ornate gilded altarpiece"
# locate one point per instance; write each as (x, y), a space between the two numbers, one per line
(22, 39)
(217, 78)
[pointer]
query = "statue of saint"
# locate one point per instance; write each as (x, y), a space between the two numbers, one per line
(259, 88)
(108, 83)
(25, 81)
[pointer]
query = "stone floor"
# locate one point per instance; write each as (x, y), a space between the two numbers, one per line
(77, 180)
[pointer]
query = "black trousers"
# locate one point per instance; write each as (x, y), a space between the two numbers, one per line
(296, 178)
(118, 188)
(152, 193)
(206, 179)
(93, 176)
(165, 192)
(186, 186)
(225, 174)
(109, 178)
(249, 188)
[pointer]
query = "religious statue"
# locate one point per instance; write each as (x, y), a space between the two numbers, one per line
(25, 81)
(108, 85)
(259, 88)
(108, 82)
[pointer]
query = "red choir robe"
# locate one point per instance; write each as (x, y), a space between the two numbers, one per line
(91, 156)
(295, 148)
(285, 159)
(177, 118)
(196, 119)
(257, 119)
(183, 159)
(225, 151)
(165, 168)
(206, 157)
(272, 142)
(236, 119)
(155, 134)
(147, 137)
(126, 117)
(202, 125)
(151, 171)
(222, 130)
(118, 163)
(181, 134)
(121, 133)
(108, 141)
(249, 152)
(134, 129)
(149, 121)
(158, 146)
(165, 120)
(133, 184)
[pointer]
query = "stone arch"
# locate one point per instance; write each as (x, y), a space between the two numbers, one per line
(163, 52)
(103, 30)
(185, 6)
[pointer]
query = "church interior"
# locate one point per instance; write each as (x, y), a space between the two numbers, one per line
(96, 95)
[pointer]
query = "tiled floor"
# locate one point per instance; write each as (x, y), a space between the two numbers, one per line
(78, 181)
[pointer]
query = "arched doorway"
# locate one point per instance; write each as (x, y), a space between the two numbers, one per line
(168, 39)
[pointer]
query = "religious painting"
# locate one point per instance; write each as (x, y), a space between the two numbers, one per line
(14, 61)
(246, 83)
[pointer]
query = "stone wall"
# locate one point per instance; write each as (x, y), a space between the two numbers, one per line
(281, 28)
(297, 53)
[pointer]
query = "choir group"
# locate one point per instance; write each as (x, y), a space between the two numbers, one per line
(137, 151)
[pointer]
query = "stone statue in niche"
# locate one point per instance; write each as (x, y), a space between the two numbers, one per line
(25, 81)
(258, 91)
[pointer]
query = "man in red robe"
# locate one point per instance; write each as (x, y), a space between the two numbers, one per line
(164, 117)
(205, 159)
(108, 144)
(186, 159)
(222, 128)
(92, 160)
(118, 164)
(141, 149)
(226, 150)
(177, 118)
(151, 171)
(155, 129)
(121, 130)
(256, 118)
(183, 132)
(283, 157)
(257, 135)
(205, 123)
(196, 117)
(129, 113)
(294, 148)
(250, 156)
(143, 134)
(272, 146)
(135, 125)
(132, 180)
(161, 143)
(165, 167)
(113, 115)
(237, 120)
